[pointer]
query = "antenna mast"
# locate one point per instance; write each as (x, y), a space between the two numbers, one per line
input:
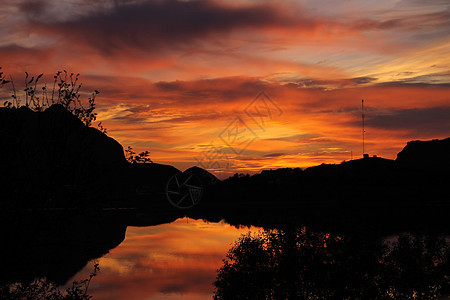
(363, 131)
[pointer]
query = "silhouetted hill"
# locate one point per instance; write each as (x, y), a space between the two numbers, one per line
(419, 173)
(49, 154)
(370, 190)
(51, 159)
(206, 177)
(431, 155)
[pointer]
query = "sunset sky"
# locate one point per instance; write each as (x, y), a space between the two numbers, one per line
(245, 85)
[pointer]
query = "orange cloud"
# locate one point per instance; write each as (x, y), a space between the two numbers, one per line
(178, 120)
(173, 75)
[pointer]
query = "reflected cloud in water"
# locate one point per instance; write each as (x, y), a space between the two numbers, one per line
(168, 261)
(195, 259)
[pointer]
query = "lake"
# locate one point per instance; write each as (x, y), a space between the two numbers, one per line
(168, 261)
(186, 258)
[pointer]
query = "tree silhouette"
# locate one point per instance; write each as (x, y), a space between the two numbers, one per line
(304, 264)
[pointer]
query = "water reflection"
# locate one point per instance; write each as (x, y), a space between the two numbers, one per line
(54, 245)
(299, 263)
(168, 261)
(182, 259)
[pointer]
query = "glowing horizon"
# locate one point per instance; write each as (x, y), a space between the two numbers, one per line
(174, 75)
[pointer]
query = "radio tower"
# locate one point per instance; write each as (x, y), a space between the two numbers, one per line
(363, 130)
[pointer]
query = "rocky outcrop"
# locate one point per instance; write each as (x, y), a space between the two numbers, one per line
(51, 159)
(207, 178)
(52, 154)
(425, 155)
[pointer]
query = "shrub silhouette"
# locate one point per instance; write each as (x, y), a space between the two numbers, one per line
(65, 91)
(132, 157)
(42, 288)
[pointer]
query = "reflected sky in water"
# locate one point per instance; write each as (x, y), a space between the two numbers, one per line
(190, 259)
(169, 261)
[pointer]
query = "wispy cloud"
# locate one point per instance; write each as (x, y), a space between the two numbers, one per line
(423, 122)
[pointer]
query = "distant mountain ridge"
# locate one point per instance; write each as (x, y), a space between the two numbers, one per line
(418, 175)
(51, 158)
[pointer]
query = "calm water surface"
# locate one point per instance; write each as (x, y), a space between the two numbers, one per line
(168, 261)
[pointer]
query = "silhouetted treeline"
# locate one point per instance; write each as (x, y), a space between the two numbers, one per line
(300, 263)
(373, 191)
(365, 180)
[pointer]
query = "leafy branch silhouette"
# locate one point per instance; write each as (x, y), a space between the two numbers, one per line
(65, 91)
(132, 157)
